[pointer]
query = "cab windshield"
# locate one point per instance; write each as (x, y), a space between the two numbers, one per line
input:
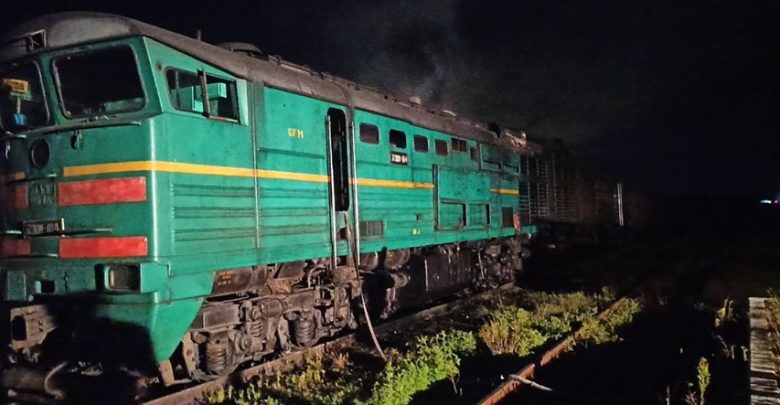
(21, 97)
(98, 83)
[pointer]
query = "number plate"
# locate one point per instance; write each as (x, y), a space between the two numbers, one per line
(47, 227)
(399, 158)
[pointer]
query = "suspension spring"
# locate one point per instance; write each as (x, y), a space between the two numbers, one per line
(216, 356)
(256, 328)
(304, 331)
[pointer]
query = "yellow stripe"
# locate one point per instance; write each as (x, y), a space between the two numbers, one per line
(507, 191)
(189, 168)
(149, 166)
(392, 184)
(107, 168)
(270, 174)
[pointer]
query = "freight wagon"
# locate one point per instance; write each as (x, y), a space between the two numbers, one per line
(566, 199)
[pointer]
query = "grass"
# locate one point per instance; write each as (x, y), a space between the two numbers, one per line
(599, 331)
(335, 379)
(510, 330)
(325, 380)
(430, 360)
(555, 314)
(518, 327)
(519, 331)
(703, 377)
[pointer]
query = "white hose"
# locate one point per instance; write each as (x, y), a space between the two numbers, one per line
(356, 260)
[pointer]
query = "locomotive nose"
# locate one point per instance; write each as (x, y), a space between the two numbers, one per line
(51, 207)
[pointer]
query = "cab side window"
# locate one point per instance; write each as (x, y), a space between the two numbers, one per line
(181, 88)
(222, 97)
(186, 93)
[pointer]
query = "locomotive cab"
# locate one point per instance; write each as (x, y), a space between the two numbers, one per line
(128, 179)
(78, 217)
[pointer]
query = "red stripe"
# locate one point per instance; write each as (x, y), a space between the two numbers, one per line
(13, 197)
(132, 246)
(104, 191)
(19, 197)
(14, 247)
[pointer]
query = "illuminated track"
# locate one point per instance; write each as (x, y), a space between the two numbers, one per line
(696, 280)
(526, 373)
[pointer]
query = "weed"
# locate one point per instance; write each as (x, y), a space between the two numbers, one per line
(607, 294)
(571, 307)
(703, 378)
(311, 384)
(551, 326)
(430, 360)
(510, 330)
(341, 362)
(690, 396)
(595, 331)
(251, 395)
(554, 314)
(598, 331)
(550, 316)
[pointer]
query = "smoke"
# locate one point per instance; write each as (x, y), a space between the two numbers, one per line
(480, 67)
(407, 48)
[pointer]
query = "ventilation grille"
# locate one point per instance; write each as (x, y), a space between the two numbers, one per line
(371, 228)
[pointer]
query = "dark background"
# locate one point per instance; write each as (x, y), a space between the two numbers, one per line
(679, 98)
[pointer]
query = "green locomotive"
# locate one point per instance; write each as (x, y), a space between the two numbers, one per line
(221, 205)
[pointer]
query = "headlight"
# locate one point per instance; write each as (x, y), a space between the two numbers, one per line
(123, 277)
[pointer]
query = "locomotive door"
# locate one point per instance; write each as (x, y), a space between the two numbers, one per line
(338, 171)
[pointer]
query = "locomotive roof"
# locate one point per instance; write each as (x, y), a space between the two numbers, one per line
(68, 29)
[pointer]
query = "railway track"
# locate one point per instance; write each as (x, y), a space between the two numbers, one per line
(507, 392)
(526, 373)
(192, 394)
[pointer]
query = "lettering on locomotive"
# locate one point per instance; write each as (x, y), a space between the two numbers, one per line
(295, 133)
(42, 194)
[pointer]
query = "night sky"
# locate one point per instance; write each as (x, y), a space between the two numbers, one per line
(676, 97)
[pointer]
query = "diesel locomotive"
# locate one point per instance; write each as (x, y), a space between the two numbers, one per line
(201, 206)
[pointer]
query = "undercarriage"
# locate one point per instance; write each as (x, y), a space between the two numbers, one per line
(258, 312)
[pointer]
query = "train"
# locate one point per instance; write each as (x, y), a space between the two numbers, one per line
(570, 200)
(180, 208)
(184, 208)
